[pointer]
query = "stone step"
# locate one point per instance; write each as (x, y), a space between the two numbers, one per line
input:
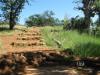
(28, 37)
(26, 41)
(24, 44)
(31, 30)
(28, 34)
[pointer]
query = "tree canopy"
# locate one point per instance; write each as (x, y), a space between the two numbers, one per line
(97, 9)
(11, 10)
(46, 18)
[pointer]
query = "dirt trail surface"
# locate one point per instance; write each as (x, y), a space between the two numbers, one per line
(58, 70)
(26, 40)
(27, 54)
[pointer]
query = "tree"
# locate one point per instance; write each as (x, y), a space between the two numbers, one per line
(11, 10)
(48, 15)
(36, 19)
(97, 9)
(57, 22)
(41, 19)
(87, 8)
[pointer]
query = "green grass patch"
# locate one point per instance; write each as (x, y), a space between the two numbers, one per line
(4, 29)
(7, 32)
(81, 44)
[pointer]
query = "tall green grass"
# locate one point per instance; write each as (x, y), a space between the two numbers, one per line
(81, 44)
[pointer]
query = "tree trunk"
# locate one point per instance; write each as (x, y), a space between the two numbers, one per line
(87, 21)
(87, 13)
(11, 20)
(11, 24)
(99, 18)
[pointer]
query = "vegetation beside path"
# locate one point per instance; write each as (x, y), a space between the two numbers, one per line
(56, 37)
(81, 44)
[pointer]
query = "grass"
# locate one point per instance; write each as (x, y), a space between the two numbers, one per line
(4, 29)
(81, 44)
(7, 32)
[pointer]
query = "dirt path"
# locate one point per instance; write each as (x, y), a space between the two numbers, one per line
(30, 40)
(26, 40)
(57, 70)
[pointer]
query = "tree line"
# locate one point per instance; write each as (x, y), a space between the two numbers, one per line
(11, 9)
(43, 19)
(90, 8)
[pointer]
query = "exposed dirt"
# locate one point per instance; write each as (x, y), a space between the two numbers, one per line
(27, 54)
(27, 40)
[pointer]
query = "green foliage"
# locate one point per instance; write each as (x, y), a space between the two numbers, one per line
(87, 49)
(81, 44)
(66, 22)
(90, 8)
(97, 9)
(76, 24)
(86, 6)
(33, 20)
(11, 10)
(43, 19)
(3, 23)
(97, 6)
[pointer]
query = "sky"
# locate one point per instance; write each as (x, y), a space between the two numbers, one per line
(61, 8)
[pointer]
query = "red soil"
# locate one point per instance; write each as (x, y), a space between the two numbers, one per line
(27, 40)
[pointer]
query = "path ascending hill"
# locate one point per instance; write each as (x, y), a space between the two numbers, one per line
(27, 54)
(26, 40)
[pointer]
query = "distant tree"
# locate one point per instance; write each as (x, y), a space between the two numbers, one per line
(35, 20)
(41, 19)
(76, 23)
(49, 17)
(57, 22)
(79, 24)
(11, 10)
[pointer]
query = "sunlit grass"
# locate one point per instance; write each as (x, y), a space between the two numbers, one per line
(81, 44)
(4, 30)
(7, 32)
